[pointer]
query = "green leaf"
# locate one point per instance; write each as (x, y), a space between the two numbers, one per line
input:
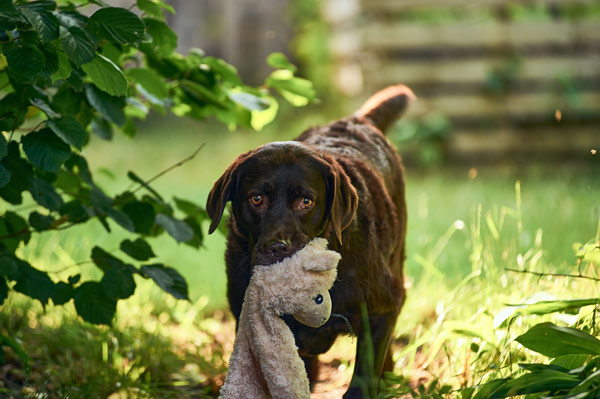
(151, 81)
(102, 128)
(168, 279)
(552, 341)
(40, 222)
(100, 201)
(135, 178)
(249, 101)
(75, 211)
(198, 238)
(25, 63)
(42, 105)
(71, 18)
(21, 178)
(150, 8)
(118, 282)
(34, 283)
(64, 67)
(104, 260)
(141, 214)
(3, 146)
(178, 229)
(261, 119)
(280, 61)
(45, 150)
(117, 25)
(44, 194)
(138, 249)
(121, 219)
(547, 307)
(202, 94)
(191, 209)
(63, 293)
(9, 267)
(77, 45)
(110, 107)
(43, 21)
(5, 176)
(106, 75)
(16, 228)
(9, 16)
(3, 290)
(226, 71)
(164, 40)
(542, 381)
(93, 305)
(296, 90)
(69, 130)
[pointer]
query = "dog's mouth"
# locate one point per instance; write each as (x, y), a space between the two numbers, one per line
(276, 251)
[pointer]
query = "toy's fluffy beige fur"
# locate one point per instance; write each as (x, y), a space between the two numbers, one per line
(265, 361)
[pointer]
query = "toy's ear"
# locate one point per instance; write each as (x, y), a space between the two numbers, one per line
(322, 261)
(224, 190)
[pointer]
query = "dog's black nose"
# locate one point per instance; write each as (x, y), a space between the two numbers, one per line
(280, 248)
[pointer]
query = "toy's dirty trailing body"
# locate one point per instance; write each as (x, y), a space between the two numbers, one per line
(265, 362)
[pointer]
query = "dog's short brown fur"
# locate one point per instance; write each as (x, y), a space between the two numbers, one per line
(343, 181)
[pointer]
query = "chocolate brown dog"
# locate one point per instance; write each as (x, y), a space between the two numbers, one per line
(343, 181)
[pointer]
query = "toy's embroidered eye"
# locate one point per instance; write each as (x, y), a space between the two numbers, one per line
(318, 299)
(256, 200)
(306, 203)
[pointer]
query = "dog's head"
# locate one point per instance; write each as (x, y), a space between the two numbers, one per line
(283, 195)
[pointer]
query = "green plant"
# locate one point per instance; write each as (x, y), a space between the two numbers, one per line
(64, 75)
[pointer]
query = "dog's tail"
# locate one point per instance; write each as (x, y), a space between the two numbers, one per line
(384, 107)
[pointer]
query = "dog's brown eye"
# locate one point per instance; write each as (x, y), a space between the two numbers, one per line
(256, 200)
(306, 203)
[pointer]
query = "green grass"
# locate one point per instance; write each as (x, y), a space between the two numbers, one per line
(462, 234)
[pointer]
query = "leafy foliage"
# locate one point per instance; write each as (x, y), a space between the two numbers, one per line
(64, 76)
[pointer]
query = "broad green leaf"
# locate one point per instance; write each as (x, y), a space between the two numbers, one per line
(151, 8)
(45, 150)
(106, 75)
(135, 178)
(41, 104)
(69, 130)
(93, 305)
(40, 222)
(16, 228)
(21, 175)
(118, 282)
(296, 90)
(117, 25)
(44, 194)
(25, 63)
(102, 128)
(5, 176)
(164, 40)
(75, 211)
(104, 260)
(141, 214)
(3, 290)
(9, 267)
(34, 283)
(77, 45)
(542, 381)
(151, 81)
(121, 219)
(43, 21)
(100, 201)
(226, 71)
(71, 18)
(570, 361)
(249, 101)
(63, 293)
(178, 229)
(202, 94)
(3, 146)
(280, 61)
(552, 341)
(198, 238)
(547, 307)
(110, 107)
(191, 209)
(262, 118)
(138, 249)
(9, 16)
(168, 279)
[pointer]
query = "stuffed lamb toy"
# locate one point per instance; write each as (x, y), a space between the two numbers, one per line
(265, 361)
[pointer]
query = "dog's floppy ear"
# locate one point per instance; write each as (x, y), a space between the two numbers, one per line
(342, 199)
(224, 190)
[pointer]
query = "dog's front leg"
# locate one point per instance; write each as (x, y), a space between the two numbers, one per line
(371, 356)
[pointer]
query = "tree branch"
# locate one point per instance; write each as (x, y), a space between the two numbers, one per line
(539, 274)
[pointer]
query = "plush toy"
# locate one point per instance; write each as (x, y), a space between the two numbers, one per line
(265, 361)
